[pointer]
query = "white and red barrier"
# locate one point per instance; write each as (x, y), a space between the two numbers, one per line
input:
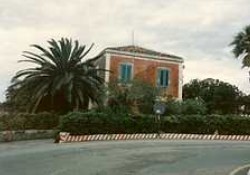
(66, 137)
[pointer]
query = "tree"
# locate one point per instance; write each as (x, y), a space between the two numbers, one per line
(244, 102)
(61, 80)
(219, 97)
(14, 102)
(137, 96)
(241, 46)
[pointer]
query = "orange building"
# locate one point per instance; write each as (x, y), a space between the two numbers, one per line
(129, 62)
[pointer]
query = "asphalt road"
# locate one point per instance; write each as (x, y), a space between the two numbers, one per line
(123, 158)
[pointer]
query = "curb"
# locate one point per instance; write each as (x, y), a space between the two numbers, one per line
(67, 138)
(239, 169)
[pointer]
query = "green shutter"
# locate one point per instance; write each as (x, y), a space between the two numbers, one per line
(158, 77)
(123, 73)
(162, 77)
(129, 72)
(166, 78)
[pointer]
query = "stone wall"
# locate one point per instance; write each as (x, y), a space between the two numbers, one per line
(7, 136)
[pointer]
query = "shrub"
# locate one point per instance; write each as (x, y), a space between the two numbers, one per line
(173, 107)
(187, 107)
(184, 124)
(138, 96)
(22, 121)
(98, 122)
(231, 124)
(206, 124)
(191, 106)
(102, 123)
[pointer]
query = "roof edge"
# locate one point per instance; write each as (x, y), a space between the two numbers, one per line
(153, 52)
(125, 53)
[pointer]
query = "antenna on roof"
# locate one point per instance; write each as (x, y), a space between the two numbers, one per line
(133, 43)
(133, 38)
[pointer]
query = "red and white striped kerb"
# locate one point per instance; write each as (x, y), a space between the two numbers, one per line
(66, 137)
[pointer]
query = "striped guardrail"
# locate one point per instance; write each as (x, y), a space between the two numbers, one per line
(66, 137)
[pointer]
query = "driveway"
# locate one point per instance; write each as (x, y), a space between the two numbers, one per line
(42, 157)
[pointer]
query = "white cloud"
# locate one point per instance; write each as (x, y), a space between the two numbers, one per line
(198, 30)
(225, 70)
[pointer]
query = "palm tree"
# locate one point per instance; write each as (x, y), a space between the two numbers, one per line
(241, 45)
(61, 80)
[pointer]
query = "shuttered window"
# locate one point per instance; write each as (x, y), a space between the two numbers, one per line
(125, 73)
(162, 77)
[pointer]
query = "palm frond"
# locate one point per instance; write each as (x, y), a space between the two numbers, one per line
(60, 74)
(241, 46)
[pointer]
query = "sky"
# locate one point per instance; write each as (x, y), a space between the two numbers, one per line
(198, 30)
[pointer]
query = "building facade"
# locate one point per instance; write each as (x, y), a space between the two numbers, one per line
(132, 62)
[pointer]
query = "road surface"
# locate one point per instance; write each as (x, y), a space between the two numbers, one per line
(43, 157)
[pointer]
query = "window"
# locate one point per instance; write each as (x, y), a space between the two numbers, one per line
(125, 72)
(162, 77)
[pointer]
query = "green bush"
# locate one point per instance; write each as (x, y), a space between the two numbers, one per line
(191, 106)
(173, 107)
(194, 124)
(102, 123)
(206, 124)
(98, 122)
(23, 121)
(187, 107)
(232, 124)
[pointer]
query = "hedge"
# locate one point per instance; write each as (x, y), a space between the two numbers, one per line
(102, 123)
(109, 122)
(25, 121)
(98, 122)
(186, 107)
